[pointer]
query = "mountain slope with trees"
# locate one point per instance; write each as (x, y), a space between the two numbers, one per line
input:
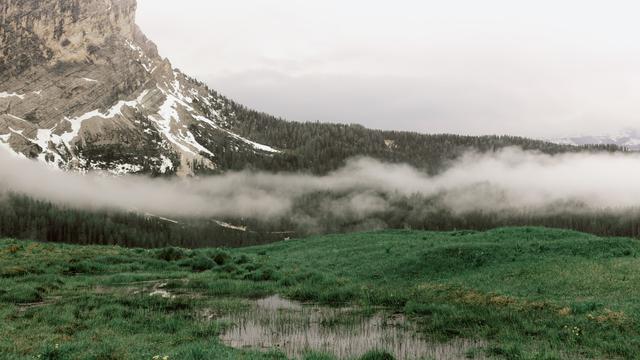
(321, 147)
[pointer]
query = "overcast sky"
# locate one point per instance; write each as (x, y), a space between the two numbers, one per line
(540, 68)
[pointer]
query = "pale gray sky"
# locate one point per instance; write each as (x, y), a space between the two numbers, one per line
(537, 68)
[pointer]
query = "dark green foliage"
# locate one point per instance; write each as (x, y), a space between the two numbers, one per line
(24, 218)
(327, 290)
(339, 296)
(85, 267)
(263, 275)
(377, 355)
(53, 352)
(318, 357)
(242, 259)
(229, 268)
(198, 263)
(171, 254)
(20, 294)
(586, 307)
(221, 257)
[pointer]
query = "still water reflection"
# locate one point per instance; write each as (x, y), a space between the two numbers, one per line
(346, 333)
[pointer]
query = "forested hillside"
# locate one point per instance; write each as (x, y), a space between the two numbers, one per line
(320, 147)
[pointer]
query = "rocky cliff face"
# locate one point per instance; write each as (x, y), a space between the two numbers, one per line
(82, 88)
(35, 31)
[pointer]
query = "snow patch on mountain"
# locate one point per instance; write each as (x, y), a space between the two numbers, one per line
(4, 95)
(115, 110)
(628, 138)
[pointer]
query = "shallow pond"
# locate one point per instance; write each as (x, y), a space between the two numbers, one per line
(346, 333)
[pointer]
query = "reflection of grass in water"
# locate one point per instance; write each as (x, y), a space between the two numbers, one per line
(343, 320)
(343, 332)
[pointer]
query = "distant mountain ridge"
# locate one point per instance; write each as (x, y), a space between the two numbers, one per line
(628, 139)
(82, 88)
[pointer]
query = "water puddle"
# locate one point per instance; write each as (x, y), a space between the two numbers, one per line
(346, 333)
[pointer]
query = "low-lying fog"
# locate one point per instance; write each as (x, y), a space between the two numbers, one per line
(510, 178)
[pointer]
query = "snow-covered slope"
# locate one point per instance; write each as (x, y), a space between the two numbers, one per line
(82, 88)
(629, 139)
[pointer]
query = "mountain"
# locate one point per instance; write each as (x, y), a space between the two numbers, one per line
(82, 88)
(629, 139)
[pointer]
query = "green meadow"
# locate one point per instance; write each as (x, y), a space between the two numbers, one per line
(524, 293)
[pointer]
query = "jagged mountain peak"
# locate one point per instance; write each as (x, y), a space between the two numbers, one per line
(83, 88)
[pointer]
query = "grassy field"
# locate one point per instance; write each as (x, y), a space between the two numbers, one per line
(528, 293)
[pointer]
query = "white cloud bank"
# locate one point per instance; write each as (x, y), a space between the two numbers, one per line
(508, 179)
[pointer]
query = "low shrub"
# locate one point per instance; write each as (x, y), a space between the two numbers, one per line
(286, 281)
(377, 355)
(221, 257)
(242, 259)
(85, 267)
(251, 267)
(198, 263)
(230, 268)
(115, 260)
(171, 254)
(263, 275)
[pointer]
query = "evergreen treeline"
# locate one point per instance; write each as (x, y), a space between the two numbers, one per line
(419, 212)
(24, 218)
(320, 147)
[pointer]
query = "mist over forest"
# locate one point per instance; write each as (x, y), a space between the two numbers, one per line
(478, 191)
